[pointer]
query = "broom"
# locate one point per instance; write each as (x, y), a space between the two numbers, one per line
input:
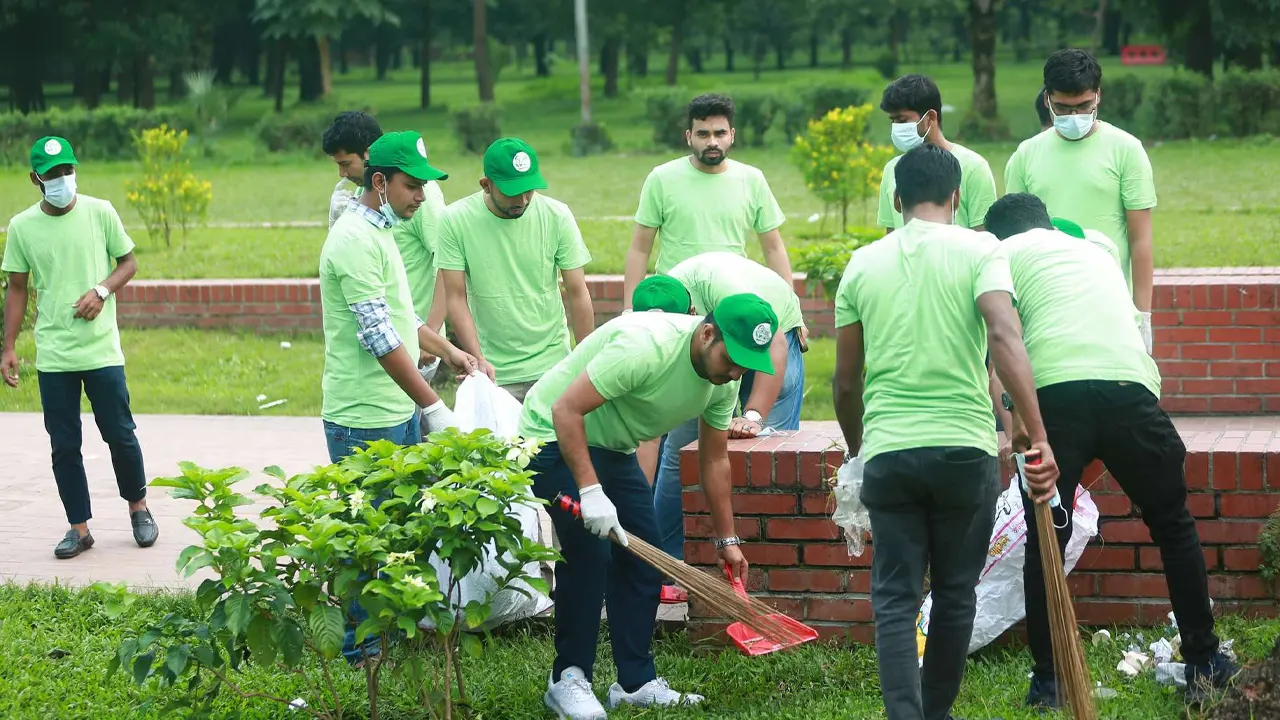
(1068, 654)
(718, 595)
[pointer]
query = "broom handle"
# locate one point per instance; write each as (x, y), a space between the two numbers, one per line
(574, 508)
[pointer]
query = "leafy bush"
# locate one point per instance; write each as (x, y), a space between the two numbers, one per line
(1177, 107)
(477, 127)
(589, 139)
(293, 131)
(823, 262)
(363, 529)
(169, 193)
(887, 63)
(823, 98)
(1123, 96)
(105, 133)
(208, 102)
(837, 161)
(754, 113)
(1248, 103)
(667, 111)
(1269, 547)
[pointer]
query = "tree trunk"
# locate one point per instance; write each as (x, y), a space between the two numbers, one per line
(480, 44)
(145, 77)
(277, 84)
(1275, 54)
(275, 60)
(326, 65)
(251, 59)
(728, 54)
(1099, 24)
(673, 58)
(1199, 42)
(1111, 32)
(1022, 41)
(90, 86)
(125, 83)
(982, 23)
(846, 47)
(224, 52)
(177, 85)
(609, 61)
(424, 77)
(637, 58)
(813, 47)
(382, 51)
(780, 56)
(310, 83)
(540, 66)
(694, 55)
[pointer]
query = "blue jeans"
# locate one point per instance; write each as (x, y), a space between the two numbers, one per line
(596, 571)
(342, 442)
(784, 415)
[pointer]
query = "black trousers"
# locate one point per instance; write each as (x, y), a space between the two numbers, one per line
(109, 397)
(1122, 425)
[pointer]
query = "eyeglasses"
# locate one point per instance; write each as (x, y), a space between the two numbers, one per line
(1083, 108)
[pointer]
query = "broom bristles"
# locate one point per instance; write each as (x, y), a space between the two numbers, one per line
(1068, 654)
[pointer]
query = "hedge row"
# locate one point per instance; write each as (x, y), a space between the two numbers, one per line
(105, 133)
(1186, 105)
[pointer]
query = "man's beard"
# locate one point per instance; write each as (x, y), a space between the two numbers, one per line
(714, 159)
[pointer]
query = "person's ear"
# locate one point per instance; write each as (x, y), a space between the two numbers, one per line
(484, 185)
(897, 203)
(688, 138)
(35, 180)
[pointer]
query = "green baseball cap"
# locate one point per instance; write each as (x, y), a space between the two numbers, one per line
(1068, 227)
(405, 151)
(747, 324)
(49, 152)
(661, 292)
(513, 166)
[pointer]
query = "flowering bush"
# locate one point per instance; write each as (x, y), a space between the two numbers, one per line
(169, 194)
(838, 163)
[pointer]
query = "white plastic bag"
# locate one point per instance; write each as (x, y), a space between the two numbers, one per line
(481, 404)
(1001, 603)
(850, 514)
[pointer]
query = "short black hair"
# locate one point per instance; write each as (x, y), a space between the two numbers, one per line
(912, 92)
(1072, 72)
(710, 105)
(926, 174)
(1042, 108)
(1017, 213)
(387, 172)
(352, 131)
(710, 319)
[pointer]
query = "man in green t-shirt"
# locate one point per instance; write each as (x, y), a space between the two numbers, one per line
(704, 201)
(917, 310)
(504, 252)
(1091, 171)
(1099, 391)
(64, 247)
(914, 106)
(347, 143)
(634, 379)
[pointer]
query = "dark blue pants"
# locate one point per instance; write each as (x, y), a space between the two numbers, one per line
(109, 397)
(596, 571)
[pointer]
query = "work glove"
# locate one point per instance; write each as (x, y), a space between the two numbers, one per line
(437, 417)
(1145, 328)
(599, 514)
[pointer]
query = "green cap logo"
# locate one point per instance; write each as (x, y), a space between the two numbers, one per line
(513, 167)
(748, 325)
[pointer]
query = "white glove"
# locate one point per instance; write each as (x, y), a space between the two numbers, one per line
(1145, 328)
(599, 515)
(437, 417)
(428, 373)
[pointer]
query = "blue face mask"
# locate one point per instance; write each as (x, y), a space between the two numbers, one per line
(1074, 127)
(386, 210)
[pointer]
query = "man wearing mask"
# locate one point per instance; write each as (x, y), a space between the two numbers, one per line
(347, 143)
(917, 310)
(70, 242)
(1099, 393)
(704, 201)
(914, 106)
(1091, 171)
(503, 254)
(634, 379)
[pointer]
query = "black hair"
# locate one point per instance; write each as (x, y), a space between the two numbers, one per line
(387, 172)
(710, 105)
(1017, 213)
(1042, 108)
(926, 174)
(1072, 72)
(710, 319)
(912, 92)
(352, 131)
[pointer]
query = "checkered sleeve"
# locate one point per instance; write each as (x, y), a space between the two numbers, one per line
(376, 333)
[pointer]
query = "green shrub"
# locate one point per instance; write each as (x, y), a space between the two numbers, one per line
(589, 139)
(823, 98)
(754, 114)
(293, 131)
(1123, 96)
(668, 113)
(477, 127)
(1248, 103)
(887, 63)
(1177, 107)
(795, 116)
(105, 133)
(823, 262)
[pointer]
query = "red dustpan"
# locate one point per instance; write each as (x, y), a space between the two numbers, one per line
(755, 643)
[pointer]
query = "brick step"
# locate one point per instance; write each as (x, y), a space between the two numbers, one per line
(800, 563)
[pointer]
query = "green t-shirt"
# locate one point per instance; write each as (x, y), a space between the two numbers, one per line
(713, 276)
(416, 238)
(513, 284)
(1094, 181)
(66, 257)
(697, 212)
(360, 262)
(1078, 318)
(639, 363)
(915, 292)
(977, 190)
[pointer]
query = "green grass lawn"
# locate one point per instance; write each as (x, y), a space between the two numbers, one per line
(813, 682)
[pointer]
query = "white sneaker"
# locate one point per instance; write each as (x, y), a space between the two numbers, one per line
(654, 692)
(572, 697)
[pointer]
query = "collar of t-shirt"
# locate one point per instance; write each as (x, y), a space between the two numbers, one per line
(374, 217)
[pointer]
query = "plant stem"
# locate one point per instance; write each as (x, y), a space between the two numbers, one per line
(251, 695)
(457, 669)
(448, 666)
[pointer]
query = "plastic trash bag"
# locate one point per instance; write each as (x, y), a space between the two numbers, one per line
(850, 514)
(1001, 603)
(481, 404)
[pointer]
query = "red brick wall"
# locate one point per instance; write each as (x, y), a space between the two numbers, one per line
(261, 304)
(800, 564)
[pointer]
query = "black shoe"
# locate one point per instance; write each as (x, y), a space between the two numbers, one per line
(1203, 680)
(1043, 693)
(73, 543)
(145, 530)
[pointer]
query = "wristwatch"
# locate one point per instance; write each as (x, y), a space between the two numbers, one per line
(722, 543)
(1006, 401)
(754, 417)
(102, 292)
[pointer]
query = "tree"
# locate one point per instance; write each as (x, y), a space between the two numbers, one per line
(425, 37)
(480, 45)
(982, 28)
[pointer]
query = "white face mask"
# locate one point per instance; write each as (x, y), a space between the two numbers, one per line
(386, 210)
(60, 191)
(1074, 127)
(906, 136)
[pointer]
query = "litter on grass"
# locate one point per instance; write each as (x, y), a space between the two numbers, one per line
(273, 403)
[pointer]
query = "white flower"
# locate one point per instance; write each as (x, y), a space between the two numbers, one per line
(428, 502)
(416, 581)
(399, 558)
(357, 500)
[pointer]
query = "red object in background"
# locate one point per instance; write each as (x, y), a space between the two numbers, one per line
(1142, 55)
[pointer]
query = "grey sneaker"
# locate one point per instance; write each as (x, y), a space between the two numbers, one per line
(572, 698)
(73, 543)
(655, 692)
